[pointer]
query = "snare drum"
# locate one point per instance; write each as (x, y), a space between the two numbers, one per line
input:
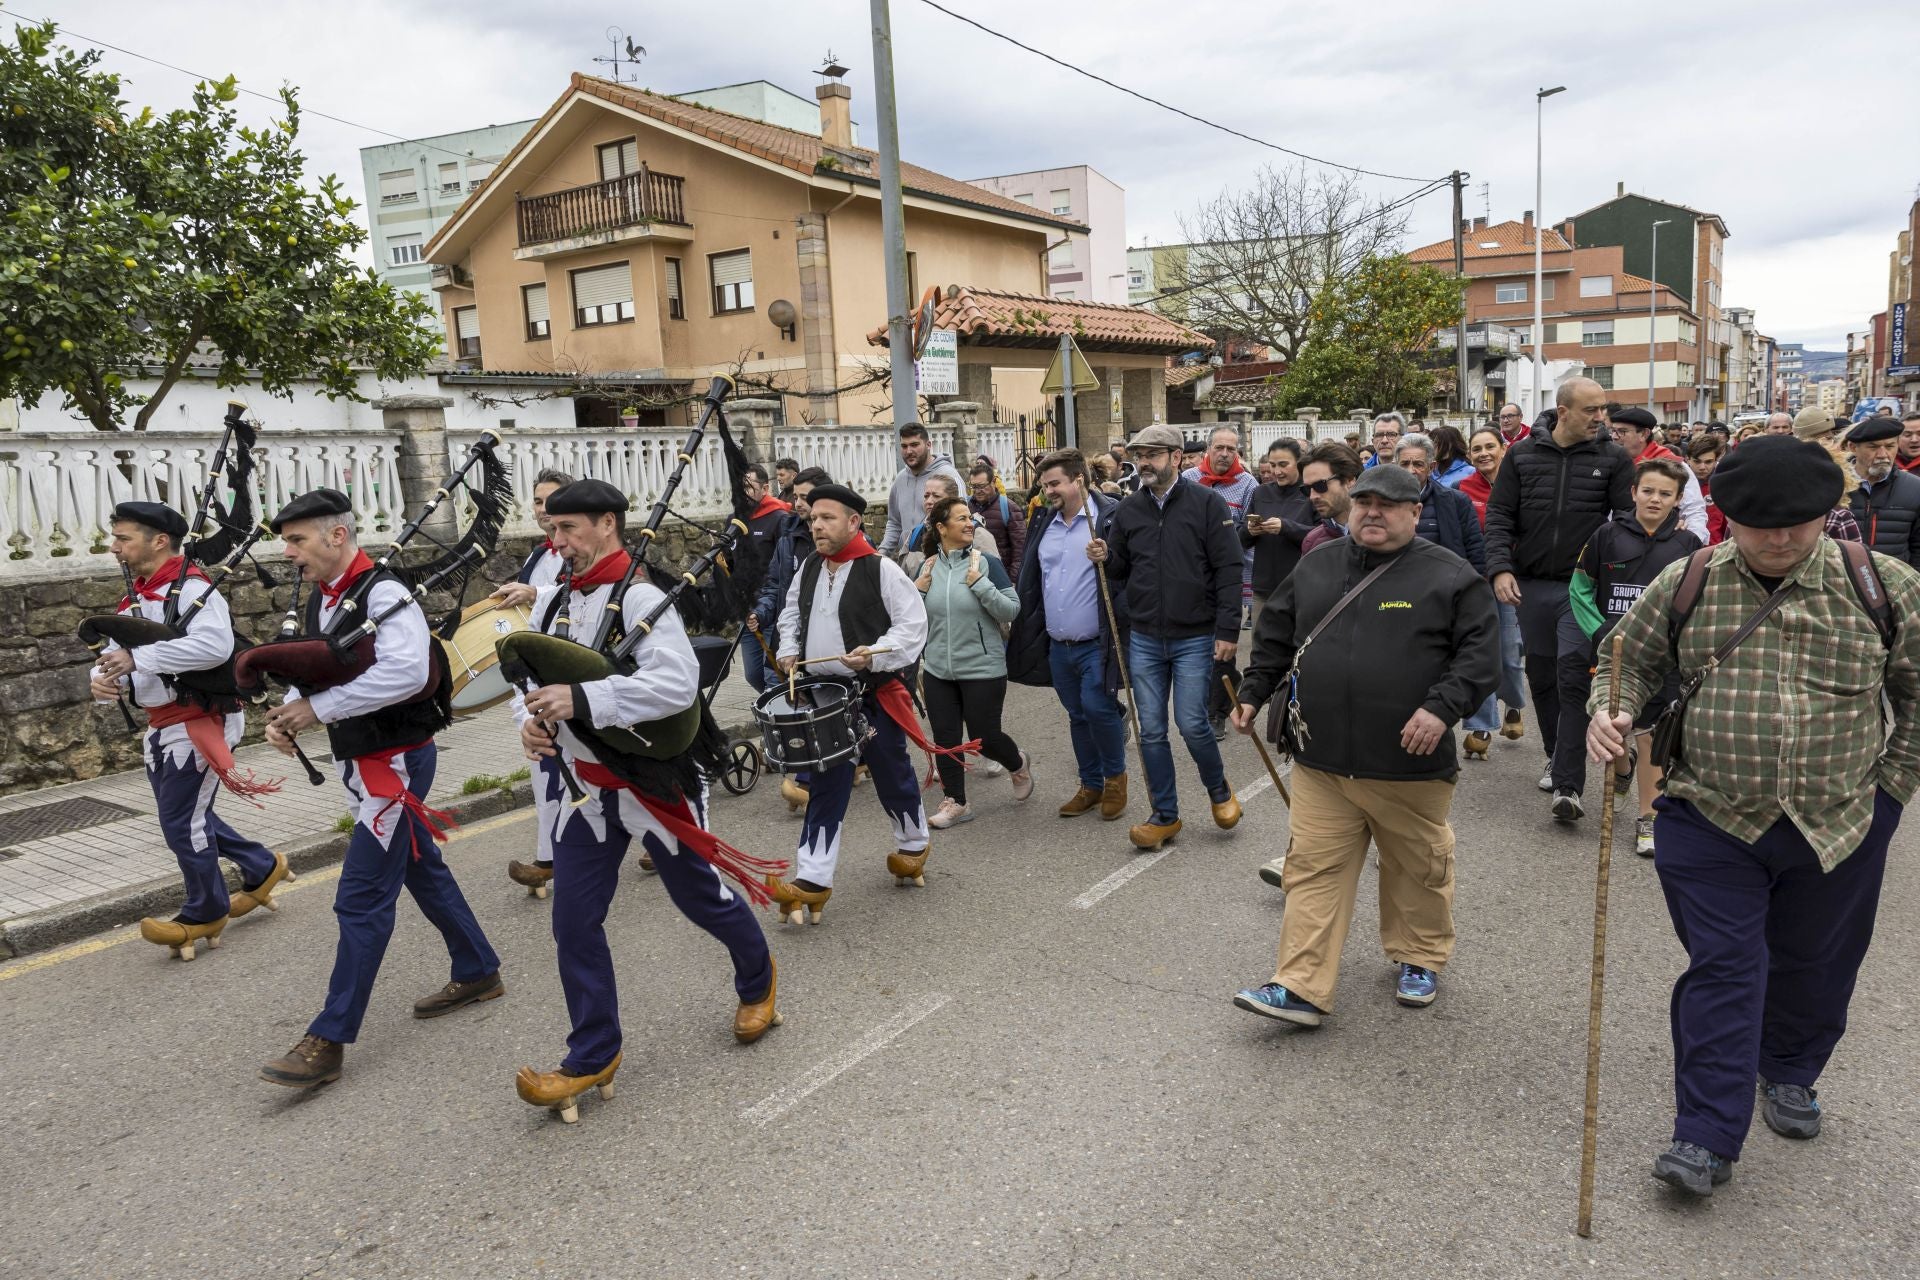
(477, 682)
(821, 727)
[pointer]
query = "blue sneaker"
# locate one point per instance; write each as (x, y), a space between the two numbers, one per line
(1417, 987)
(1272, 1000)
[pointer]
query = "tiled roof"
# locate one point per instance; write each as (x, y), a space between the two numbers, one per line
(986, 318)
(1260, 391)
(1502, 240)
(1181, 375)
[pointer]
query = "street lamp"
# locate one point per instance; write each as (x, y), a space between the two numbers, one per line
(1539, 224)
(1653, 315)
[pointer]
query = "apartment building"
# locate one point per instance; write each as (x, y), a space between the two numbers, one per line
(1085, 266)
(413, 187)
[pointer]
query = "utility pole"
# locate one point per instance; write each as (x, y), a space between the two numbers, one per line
(893, 227)
(1539, 225)
(1460, 273)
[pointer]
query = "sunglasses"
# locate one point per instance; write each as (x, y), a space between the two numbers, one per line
(1320, 486)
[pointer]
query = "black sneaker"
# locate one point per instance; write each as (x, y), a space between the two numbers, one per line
(1219, 724)
(1692, 1168)
(1566, 806)
(1791, 1110)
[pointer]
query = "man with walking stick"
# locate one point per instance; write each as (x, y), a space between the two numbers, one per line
(1782, 791)
(1378, 646)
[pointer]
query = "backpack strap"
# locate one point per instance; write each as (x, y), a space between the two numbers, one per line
(1869, 587)
(1692, 581)
(1006, 516)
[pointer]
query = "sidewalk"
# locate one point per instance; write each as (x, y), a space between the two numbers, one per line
(67, 883)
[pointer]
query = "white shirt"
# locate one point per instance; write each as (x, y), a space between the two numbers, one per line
(546, 570)
(208, 643)
(1693, 507)
(905, 636)
(401, 663)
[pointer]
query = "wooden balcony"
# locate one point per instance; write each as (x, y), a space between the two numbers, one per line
(624, 208)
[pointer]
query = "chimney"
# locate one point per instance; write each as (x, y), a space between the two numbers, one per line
(836, 114)
(1479, 224)
(1619, 189)
(1527, 217)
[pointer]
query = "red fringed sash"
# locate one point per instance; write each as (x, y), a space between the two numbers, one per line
(743, 868)
(207, 730)
(378, 778)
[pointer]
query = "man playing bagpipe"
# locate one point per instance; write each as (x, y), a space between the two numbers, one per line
(190, 736)
(380, 724)
(853, 613)
(660, 805)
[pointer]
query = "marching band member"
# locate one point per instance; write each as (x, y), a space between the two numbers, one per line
(664, 812)
(541, 569)
(852, 604)
(381, 731)
(188, 745)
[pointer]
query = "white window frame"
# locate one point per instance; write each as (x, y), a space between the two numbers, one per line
(449, 188)
(1596, 333)
(404, 250)
(1500, 290)
(389, 192)
(1596, 286)
(478, 171)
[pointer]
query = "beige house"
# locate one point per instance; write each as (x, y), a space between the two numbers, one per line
(642, 243)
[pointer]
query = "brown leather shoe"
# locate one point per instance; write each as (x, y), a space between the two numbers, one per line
(1226, 814)
(1083, 801)
(1113, 798)
(1148, 836)
(560, 1092)
(261, 895)
(752, 1018)
(311, 1062)
(455, 994)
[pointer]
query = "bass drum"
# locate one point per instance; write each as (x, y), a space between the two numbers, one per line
(818, 727)
(477, 679)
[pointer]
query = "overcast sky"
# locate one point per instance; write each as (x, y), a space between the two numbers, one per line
(1713, 104)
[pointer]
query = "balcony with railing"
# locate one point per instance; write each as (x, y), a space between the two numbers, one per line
(630, 207)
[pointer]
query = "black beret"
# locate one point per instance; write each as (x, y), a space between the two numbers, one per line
(1875, 428)
(834, 493)
(308, 506)
(586, 498)
(154, 515)
(1632, 415)
(1772, 482)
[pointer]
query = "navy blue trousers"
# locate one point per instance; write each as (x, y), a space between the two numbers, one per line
(199, 837)
(895, 784)
(586, 871)
(1773, 947)
(370, 884)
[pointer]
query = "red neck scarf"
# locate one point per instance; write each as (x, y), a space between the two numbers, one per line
(768, 505)
(332, 592)
(153, 588)
(546, 544)
(605, 570)
(1212, 481)
(858, 546)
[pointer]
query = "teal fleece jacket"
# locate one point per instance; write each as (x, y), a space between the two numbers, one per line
(963, 622)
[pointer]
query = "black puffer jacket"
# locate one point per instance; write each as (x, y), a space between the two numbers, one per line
(1424, 635)
(1890, 516)
(1547, 501)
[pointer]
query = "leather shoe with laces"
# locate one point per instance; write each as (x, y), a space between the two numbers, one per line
(312, 1062)
(455, 994)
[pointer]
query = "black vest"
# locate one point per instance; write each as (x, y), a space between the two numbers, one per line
(863, 612)
(402, 724)
(213, 688)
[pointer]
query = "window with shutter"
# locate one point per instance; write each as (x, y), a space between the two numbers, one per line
(466, 332)
(617, 158)
(399, 186)
(533, 299)
(602, 295)
(478, 172)
(404, 250)
(450, 178)
(676, 301)
(732, 281)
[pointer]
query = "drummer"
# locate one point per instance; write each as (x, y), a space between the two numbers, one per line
(850, 604)
(541, 569)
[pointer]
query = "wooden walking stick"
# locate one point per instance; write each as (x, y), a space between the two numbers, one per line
(1126, 683)
(1265, 758)
(1590, 1128)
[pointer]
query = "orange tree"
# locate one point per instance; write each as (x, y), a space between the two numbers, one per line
(1365, 337)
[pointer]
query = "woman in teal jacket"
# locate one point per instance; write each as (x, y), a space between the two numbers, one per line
(964, 666)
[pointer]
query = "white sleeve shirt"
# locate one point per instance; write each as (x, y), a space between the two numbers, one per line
(905, 636)
(401, 658)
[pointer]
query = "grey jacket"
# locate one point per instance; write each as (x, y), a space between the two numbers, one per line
(906, 501)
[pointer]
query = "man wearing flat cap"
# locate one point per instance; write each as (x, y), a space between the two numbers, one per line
(1782, 795)
(1887, 503)
(1377, 644)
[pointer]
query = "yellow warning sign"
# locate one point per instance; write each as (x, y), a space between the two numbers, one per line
(1083, 376)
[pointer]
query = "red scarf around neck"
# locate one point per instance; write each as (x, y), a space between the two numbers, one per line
(152, 588)
(1212, 481)
(857, 547)
(609, 568)
(331, 593)
(768, 505)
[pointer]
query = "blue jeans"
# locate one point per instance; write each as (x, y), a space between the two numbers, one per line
(1513, 675)
(1186, 667)
(753, 664)
(1094, 719)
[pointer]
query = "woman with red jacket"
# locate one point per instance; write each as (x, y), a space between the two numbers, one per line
(1485, 450)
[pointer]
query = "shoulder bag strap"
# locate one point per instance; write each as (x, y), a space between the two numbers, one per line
(1870, 589)
(1733, 641)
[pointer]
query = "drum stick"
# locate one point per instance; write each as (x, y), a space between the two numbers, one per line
(840, 657)
(1126, 684)
(1265, 758)
(1590, 1124)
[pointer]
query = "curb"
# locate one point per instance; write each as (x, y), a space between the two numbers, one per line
(57, 926)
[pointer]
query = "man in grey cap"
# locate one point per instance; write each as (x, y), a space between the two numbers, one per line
(1378, 645)
(1887, 503)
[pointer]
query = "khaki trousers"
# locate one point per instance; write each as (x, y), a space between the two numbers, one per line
(1333, 818)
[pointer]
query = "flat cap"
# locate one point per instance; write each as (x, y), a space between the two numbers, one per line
(1395, 484)
(1878, 427)
(1774, 482)
(586, 498)
(1632, 415)
(312, 504)
(1813, 422)
(837, 493)
(1157, 436)
(154, 515)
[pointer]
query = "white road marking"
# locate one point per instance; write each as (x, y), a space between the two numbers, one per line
(778, 1104)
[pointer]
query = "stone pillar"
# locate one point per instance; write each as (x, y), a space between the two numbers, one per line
(1144, 399)
(817, 339)
(1310, 414)
(1241, 416)
(1093, 413)
(976, 383)
(752, 423)
(419, 424)
(964, 417)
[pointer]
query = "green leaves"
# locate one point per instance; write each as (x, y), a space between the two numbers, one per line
(1365, 336)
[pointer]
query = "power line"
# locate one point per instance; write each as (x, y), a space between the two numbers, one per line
(1166, 106)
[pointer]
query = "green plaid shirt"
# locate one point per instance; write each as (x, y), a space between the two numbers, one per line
(1790, 722)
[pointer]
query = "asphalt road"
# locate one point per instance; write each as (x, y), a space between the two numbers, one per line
(984, 1077)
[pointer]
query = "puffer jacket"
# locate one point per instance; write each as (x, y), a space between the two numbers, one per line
(1547, 501)
(1890, 516)
(963, 622)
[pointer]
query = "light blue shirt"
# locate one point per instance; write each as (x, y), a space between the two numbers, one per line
(1067, 585)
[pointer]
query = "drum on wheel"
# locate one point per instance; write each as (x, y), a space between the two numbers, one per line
(820, 726)
(477, 681)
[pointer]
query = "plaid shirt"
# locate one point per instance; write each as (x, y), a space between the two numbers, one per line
(1790, 722)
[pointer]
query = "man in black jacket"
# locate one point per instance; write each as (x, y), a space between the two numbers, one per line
(1171, 549)
(1553, 490)
(1887, 503)
(1373, 691)
(1447, 517)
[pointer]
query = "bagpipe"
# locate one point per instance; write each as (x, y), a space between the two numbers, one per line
(653, 753)
(345, 651)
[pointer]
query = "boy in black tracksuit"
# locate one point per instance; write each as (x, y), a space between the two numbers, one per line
(1615, 566)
